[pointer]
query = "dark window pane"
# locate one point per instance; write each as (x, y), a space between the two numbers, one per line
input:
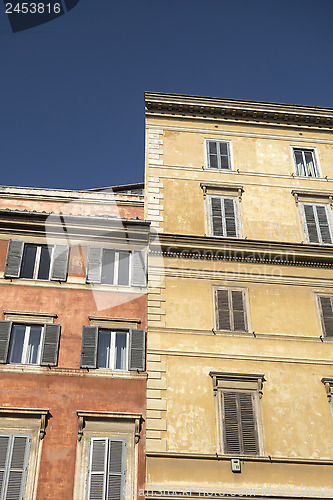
(213, 161)
(28, 262)
(120, 355)
(33, 345)
(104, 349)
(107, 267)
(213, 148)
(123, 270)
(299, 162)
(16, 344)
(223, 149)
(44, 263)
(224, 162)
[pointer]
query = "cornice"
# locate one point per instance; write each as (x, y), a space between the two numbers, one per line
(242, 250)
(234, 110)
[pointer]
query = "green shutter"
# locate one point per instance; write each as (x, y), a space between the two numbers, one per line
(14, 259)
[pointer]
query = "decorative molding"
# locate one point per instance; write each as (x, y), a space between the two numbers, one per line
(136, 418)
(221, 190)
(239, 111)
(227, 380)
(328, 383)
(114, 322)
(243, 250)
(312, 196)
(33, 317)
(26, 413)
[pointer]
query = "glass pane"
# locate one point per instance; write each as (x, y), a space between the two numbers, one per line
(33, 345)
(104, 349)
(121, 345)
(16, 344)
(212, 148)
(223, 149)
(309, 163)
(224, 162)
(108, 267)
(299, 163)
(44, 263)
(123, 270)
(28, 261)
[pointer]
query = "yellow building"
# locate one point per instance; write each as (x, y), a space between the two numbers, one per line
(240, 335)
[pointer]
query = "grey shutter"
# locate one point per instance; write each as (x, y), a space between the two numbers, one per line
(14, 259)
(324, 227)
(311, 224)
(238, 311)
(94, 265)
(89, 347)
(230, 422)
(224, 155)
(50, 344)
(97, 471)
(212, 156)
(222, 310)
(230, 217)
(117, 469)
(139, 268)
(5, 329)
(60, 263)
(250, 444)
(18, 467)
(137, 354)
(327, 315)
(216, 216)
(4, 449)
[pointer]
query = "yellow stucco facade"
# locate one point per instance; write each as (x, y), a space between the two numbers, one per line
(280, 356)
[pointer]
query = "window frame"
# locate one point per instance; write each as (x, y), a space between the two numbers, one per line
(236, 204)
(39, 247)
(116, 267)
(246, 304)
(207, 155)
(315, 161)
(25, 344)
(113, 349)
(305, 226)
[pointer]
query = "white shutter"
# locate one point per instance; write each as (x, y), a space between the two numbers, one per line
(97, 471)
(14, 458)
(317, 224)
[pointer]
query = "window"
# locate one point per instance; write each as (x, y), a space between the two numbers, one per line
(40, 262)
(317, 224)
(326, 314)
(106, 469)
(113, 349)
(237, 402)
(29, 344)
(223, 217)
(305, 162)
(218, 155)
(116, 267)
(14, 457)
(230, 306)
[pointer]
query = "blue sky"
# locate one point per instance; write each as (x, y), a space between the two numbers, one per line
(72, 106)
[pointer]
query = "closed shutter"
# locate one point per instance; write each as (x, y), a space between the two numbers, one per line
(50, 344)
(94, 265)
(14, 457)
(240, 434)
(223, 310)
(327, 315)
(137, 354)
(139, 271)
(238, 311)
(317, 224)
(223, 217)
(14, 259)
(218, 153)
(107, 469)
(60, 263)
(5, 329)
(89, 347)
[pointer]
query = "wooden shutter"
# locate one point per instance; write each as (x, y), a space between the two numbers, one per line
(94, 265)
(317, 224)
(230, 217)
(5, 329)
(97, 472)
(14, 457)
(216, 216)
(60, 263)
(139, 268)
(50, 344)
(223, 310)
(14, 259)
(218, 155)
(238, 311)
(212, 154)
(117, 469)
(327, 315)
(137, 354)
(240, 434)
(89, 347)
